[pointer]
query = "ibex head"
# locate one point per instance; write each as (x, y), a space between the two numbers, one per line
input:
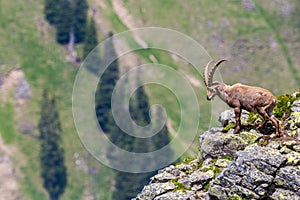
(212, 87)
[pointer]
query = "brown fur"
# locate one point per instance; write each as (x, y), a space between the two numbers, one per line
(239, 96)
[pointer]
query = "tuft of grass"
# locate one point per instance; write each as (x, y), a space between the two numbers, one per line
(230, 158)
(228, 127)
(284, 105)
(206, 186)
(252, 117)
(179, 186)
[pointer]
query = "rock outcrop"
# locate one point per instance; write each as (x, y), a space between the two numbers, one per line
(249, 165)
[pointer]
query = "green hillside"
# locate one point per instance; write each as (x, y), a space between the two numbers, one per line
(27, 41)
(261, 40)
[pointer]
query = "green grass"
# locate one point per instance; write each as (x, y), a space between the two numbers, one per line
(273, 23)
(43, 61)
(225, 28)
(7, 128)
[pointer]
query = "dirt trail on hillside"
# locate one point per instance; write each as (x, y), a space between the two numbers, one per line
(127, 19)
(9, 189)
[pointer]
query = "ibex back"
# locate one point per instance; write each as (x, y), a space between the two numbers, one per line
(239, 96)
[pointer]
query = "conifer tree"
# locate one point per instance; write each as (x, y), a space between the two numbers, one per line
(54, 173)
(90, 41)
(64, 22)
(80, 8)
(105, 88)
(69, 17)
(128, 184)
(51, 9)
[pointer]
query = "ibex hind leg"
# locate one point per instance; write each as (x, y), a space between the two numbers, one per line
(264, 114)
(274, 120)
(267, 114)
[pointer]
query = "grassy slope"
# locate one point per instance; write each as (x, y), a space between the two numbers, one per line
(43, 63)
(226, 29)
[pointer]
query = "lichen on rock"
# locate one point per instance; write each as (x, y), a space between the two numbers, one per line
(248, 165)
(216, 144)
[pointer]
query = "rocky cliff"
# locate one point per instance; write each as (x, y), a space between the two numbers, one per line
(249, 165)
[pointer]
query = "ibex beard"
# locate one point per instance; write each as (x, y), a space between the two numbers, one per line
(239, 96)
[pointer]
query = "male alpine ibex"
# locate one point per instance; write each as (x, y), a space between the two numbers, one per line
(239, 96)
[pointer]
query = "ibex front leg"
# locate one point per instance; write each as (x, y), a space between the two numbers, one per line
(237, 112)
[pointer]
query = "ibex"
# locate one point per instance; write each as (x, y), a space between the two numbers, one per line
(239, 96)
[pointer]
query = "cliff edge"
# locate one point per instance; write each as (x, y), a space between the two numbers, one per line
(250, 165)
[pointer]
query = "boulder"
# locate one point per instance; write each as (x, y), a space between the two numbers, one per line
(228, 117)
(249, 176)
(216, 144)
(288, 177)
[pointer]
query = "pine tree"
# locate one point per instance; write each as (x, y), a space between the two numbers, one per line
(51, 8)
(128, 184)
(64, 22)
(90, 41)
(69, 17)
(80, 8)
(54, 173)
(105, 88)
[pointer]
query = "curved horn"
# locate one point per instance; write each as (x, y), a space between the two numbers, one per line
(205, 74)
(211, 74)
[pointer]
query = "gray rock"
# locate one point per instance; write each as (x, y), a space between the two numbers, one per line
(257, 153)
(180, 195)
(201, 177)
(197, 177)
(228, 117)
(294, 121)
(184, 167)
(293, 158)
(282, 194)
(162, 177)
(262, 189)
(172, 170)
(201, 195)
(289, 178)
(153, 190)
(216, 144)
(228, 193)
(249, 176)
(296, 106)
(297, 147)
(222, 163)
(22, 90)
(255, 178)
